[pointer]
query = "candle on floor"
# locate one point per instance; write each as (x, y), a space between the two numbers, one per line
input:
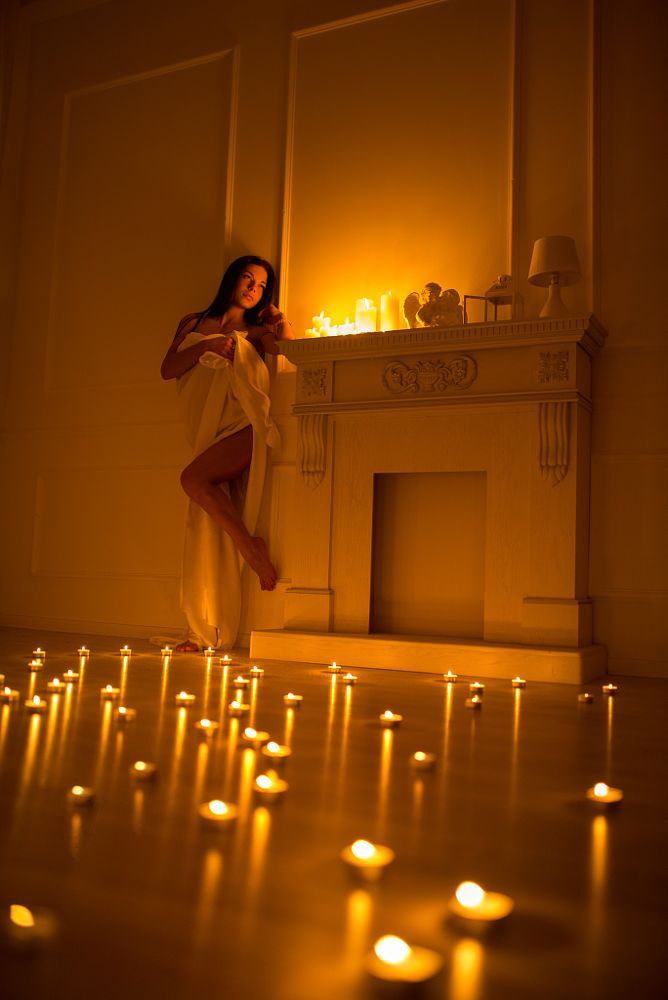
(475, 702)
(240, 682)
(109, 692)
(26, 928)
(349, 679)
(237, 708)
(166, 650)
(218, 814)
(143, 770)
(471, 902)
(366, 860)
(450, 678)
(36, 664)
(276, 751)
(604, 795)
(209, 651)
(125, 650)
(270, 787)
(392, 960)
(82, 651)
(71, 676)
(390, 720)
(56, 685)
(39, 654)
(206, 727)
(184, 699)
(585, 698)
(477, 688)
(79, 795)
(35, 705)
(293, 700)
(333, 668)
(254, 739)
(610, 689)
(421, 761)
(518, 682)
(8, 696)
(256, 671)
(226, 660)
(125, 715)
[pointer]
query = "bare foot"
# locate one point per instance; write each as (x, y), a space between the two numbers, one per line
(259, 561)
(187, 646)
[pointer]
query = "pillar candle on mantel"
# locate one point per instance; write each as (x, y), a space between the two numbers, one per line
(365, 316)
(390, 317)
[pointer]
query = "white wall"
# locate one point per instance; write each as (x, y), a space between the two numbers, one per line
(148, 141)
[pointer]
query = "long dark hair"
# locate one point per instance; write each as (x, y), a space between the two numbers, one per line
(223, 296)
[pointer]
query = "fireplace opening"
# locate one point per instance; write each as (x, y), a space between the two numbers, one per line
(428, 555)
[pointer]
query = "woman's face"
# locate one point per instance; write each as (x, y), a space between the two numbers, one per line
(250, 286)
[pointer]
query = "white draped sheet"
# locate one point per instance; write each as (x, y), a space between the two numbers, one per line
(220, 398)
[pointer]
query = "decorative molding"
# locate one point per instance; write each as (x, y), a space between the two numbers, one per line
(553, 428)
(553, 366)
(430, 376)
(312, 429)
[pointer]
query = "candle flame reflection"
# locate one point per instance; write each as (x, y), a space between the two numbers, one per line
(4, 727)
(75, 834)
(466, 974)
(359, 911)
(608, 733)
(212, 869)
(138, 810)
(233, 736)
(179, 737)
(289, 726)
(47, 754)
(599, 865)
(104, 738)
(258, 852)
(28, 762)
(384, 781)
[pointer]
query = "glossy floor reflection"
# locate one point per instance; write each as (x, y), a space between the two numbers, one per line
(148, 902)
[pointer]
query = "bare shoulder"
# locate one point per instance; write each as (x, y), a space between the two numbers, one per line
(186, 325)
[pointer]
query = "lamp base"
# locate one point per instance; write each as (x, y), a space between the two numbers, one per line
(553, 304)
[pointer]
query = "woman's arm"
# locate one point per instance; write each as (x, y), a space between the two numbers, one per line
(276, 326)
(176, 363)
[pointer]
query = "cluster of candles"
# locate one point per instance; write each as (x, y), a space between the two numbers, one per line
(392, 958)
(367, 319)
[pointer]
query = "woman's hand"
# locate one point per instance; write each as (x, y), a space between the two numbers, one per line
(222, 345)
(277, 323)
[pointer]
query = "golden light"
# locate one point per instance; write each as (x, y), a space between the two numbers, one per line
(218, 807)
(77, 790)
(21, 915)
(600, 788)
(263, 781)
(363, 850)
(387, 714)
(140, 765)
(273, 746)
(469, 894)
(250, 733)
(420, 755)
(392, 949)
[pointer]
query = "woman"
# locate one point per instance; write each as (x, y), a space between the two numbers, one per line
(223, 384)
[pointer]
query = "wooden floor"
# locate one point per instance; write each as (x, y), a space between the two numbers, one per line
(150, 904)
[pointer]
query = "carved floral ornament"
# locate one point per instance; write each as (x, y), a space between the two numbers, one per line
(430, 376)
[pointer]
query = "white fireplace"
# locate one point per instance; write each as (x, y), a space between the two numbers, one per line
(443, 501)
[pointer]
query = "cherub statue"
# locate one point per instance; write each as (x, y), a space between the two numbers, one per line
(433, 307)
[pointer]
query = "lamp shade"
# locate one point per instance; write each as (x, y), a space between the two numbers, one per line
(554, 255)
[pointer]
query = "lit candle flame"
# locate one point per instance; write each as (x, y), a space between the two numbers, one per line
(21, 916)
(392, 949)
(273, 746)
(263, 781)
(469, 894)
(363, 850)
(420, 755)
(387, 715)
(205, 723)
(77, 790)
(140, 765)
(601, 789)
(35, 700)
(217, 807)
(250, 733)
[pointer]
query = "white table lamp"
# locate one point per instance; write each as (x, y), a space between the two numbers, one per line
(554, 262)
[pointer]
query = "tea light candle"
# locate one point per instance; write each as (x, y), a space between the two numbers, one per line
(240, 682)
(78, 795)
(450, 678)
(71, 676)
(254, 739)
(39, 654)
(475, 702)
(125, 715)
(390, 720)
(237, 709)
(218, 814)
(392, 960)
(35, 664)
(477, 688)
(28, 929)
(83, 652)
(226, 660)
(349, 679)
(610, 689)
(55, 685)
(585, 698)
(421, 761)
(206, 727)
(471, 902)
(602, 794)
(366, 860)
(293, 700)
(518, 682)
(166, 651)
(184, 699)
(143, 770)
(334, 668)
(8, 696)
(109, 693)
(35, 705)
(277, 752)
(209, 651)
(256, 671)
(125, 650)
(269, 787)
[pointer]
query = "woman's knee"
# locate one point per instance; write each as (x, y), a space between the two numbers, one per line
(192, 484)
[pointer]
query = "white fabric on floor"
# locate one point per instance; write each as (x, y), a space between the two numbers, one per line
(220, 398)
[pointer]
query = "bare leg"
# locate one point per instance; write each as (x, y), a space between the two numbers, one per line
(223, 461)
